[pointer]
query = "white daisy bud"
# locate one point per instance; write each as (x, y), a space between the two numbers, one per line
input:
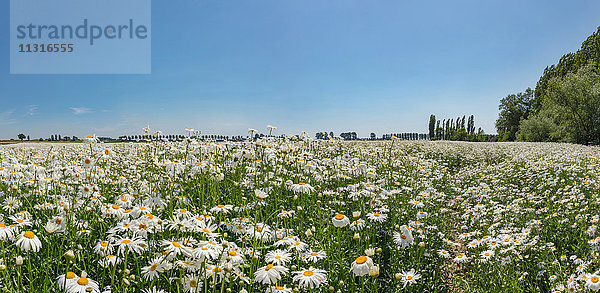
(308, 233)
(374, 271)
(19, 261)
(228, 267)
(70, 255)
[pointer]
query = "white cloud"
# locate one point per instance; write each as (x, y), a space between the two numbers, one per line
(32, 110)
(81, 110)
(6, 117)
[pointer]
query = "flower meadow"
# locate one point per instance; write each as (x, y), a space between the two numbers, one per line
(280, 215)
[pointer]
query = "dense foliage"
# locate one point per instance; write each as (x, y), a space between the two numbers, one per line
(513, 108)
(569, 63)
(565, 105)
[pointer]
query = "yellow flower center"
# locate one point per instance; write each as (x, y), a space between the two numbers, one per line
(409, 277)
(126, 241)
(70, 275)
(153, 267)
(104, 244)
(339, 217)
(308, 273)
(361, 260)
(232, 253)
(193, 283)
(269, 266)
(83, 281)
(594, 279)
(206, 230)
(221, 206)
(29, 234)
(176, 244)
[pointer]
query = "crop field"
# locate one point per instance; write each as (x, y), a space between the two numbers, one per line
(276, 215)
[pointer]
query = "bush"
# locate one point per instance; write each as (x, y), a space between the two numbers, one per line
(536, 128)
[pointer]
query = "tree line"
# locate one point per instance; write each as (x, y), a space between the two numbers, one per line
(462, 129)
(565, 105)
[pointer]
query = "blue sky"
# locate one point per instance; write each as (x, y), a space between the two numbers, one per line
(366, 66)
